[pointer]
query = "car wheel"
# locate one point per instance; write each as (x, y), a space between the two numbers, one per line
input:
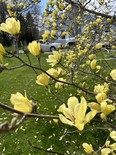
(52, 48)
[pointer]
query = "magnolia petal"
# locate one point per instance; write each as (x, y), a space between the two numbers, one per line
(80, 111)
(16, 98)
(103, 106)
(79, 126)
(23, 108)
(72, 102)
(109, 109)
(113, 74)
(101, 97)
(61, 108)
(94, 105)
(113, 135)
(90, 116)
(65, 120)
(67, 112)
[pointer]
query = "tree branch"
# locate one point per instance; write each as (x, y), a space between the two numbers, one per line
(90, 11)
(8, 108)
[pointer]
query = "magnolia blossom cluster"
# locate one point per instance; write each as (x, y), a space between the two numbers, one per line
(45, 78)
(106, 150)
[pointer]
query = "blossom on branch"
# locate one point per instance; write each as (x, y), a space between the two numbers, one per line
(42, 79)
(55, 58)
(53, 72)
(34, 48)
(93, 64)
(11, 26)
(113, 135)
(99, 46)
(75, 113)
(21, 103)
(60, 84)
(88, 148)
(113, 74)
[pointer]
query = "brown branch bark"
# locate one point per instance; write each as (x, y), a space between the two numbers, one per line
(8, 108)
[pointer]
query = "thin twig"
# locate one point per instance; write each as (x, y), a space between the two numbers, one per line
(45, 150)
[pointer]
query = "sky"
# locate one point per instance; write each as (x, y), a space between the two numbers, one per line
(43, 4)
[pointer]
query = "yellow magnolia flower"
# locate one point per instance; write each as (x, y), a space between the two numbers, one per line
(75, 113)
(99, 46)
(64, 33)
(45, 36)
(53, 34)
(70, 57)
(109, 20)
(63, 16)
(88, 148)
(98, 68)
(54, 59)
(113, 135)
(101, 88)
(101, 97)
(10, 6)
(34, 48)
(93, 64)
(91, 56)
(105, 151)
(53, 72)
(98, 20)
(113, 74)
(21, 103)
(11, 26)
(60, 70)
(42, 79)
(20, 4)
(60, 84)
(11, 13)
(69, 7)
(61, 5)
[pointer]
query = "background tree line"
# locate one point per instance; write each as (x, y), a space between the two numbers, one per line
(28, 25)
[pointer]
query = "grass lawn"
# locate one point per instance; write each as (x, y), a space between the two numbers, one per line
(42, 133)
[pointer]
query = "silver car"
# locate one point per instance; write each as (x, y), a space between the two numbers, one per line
(49, 47)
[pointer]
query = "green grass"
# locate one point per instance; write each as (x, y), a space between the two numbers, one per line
(42, 133)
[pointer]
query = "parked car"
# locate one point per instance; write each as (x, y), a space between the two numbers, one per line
(67, 41)
(46, 47)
